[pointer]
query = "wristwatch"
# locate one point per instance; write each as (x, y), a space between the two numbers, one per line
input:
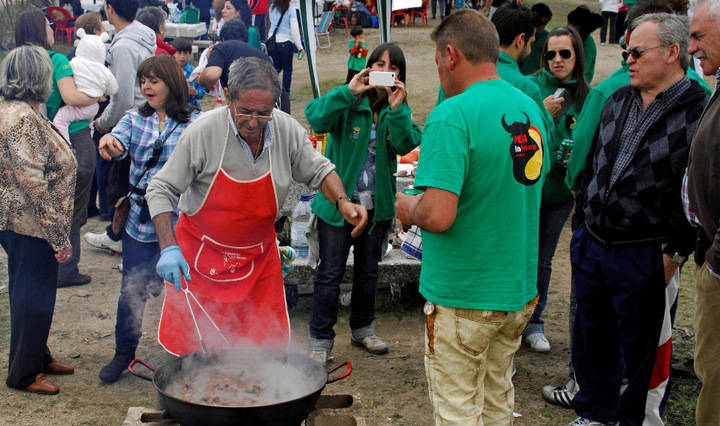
(342, 197)
(679, 259)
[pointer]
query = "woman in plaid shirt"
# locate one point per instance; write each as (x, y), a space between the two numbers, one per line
(147, 134)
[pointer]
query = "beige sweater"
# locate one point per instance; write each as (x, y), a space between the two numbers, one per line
(193, 164)
(37, 176)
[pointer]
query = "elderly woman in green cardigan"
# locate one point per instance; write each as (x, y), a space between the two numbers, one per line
(368, 127)
(563, 63)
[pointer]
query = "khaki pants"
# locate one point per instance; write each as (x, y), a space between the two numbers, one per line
(468, 363)
(707, 346)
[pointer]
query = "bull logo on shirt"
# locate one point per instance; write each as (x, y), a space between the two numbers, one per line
(526, 150)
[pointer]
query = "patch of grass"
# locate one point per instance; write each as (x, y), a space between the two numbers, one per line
(682, 402)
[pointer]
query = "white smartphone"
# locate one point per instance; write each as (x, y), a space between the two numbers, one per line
(382, 78)
(559, 93)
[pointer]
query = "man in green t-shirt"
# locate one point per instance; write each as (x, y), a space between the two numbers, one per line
(483, 162)
(514, 25)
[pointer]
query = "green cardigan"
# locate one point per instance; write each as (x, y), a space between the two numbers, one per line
(347, 147)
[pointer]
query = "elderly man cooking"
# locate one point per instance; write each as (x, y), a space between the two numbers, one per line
(233, 169)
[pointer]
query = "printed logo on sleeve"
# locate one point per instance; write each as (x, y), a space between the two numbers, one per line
(526, 150)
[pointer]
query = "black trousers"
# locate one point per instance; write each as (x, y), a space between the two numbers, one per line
(32, 274)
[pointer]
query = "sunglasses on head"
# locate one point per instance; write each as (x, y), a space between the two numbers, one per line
(564, 53)
(637, 53)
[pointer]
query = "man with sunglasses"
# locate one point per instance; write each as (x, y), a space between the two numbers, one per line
(702, 204)
(631, 235)
(233, 169)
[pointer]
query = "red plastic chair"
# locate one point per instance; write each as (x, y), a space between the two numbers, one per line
(400, 12)
(421, 12)
(63, 22)
(341, 14)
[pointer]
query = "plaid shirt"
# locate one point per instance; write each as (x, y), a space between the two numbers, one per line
(639, 121)
(138, 134)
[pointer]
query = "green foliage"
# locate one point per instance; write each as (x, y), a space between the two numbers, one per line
(9, 12)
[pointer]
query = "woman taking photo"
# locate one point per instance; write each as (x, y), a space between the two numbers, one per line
(37, 185)
(563, 65)
(147, 134)
(284, 26)
(33, 28)
(368, 127)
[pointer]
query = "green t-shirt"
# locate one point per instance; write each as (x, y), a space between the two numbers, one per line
(533, 61)
(61, 69)
(509, 71)
(354, 62)
(254, 38)
(487, 145)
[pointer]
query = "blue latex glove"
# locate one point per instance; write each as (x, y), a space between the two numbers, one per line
(170, 265)
(287, 255)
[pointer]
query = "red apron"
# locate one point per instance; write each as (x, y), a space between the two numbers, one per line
(236, 290)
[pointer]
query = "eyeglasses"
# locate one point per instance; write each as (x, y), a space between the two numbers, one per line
(637, 53)
(564, 53)
(258, 115)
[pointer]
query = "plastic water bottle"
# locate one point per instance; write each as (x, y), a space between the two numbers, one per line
(298, 225)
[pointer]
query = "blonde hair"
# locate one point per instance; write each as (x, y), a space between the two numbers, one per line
(26, 74)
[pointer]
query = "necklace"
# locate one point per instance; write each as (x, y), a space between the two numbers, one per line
(258, 149)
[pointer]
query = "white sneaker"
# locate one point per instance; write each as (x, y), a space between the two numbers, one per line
(102, 241)
(560, 395)
(537, 342)
(582, 421)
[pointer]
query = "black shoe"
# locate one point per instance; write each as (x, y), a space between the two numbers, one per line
(120, 362)
(685, 369)
(81, 279)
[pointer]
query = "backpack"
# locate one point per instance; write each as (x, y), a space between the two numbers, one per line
(191, 15)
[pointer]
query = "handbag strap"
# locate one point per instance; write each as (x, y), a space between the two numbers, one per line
(277, 27)
(152, 162)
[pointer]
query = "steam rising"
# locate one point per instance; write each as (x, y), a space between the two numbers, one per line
(246, 377)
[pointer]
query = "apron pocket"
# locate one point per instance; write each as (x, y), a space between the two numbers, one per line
(224, 263)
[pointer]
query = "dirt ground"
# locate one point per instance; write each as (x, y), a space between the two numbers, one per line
(392, 388)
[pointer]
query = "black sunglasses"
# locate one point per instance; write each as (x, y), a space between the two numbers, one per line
(564, 53)
(637, 53)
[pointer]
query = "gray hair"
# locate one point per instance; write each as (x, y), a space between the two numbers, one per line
(152, 17)
(672, 29)
(713, 9)
(252, 73)
(26, 74)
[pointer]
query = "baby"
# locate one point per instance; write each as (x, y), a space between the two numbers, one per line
(91, 77)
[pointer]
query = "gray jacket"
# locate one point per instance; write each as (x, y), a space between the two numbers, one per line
(129, 48)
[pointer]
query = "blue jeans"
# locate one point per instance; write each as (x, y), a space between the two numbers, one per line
(84, 151)
(434, 8)
(282, 57)
(552, 219)
(32, 276)
(335, 242)
(259, 24)
(620, 295)
(139, 280)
